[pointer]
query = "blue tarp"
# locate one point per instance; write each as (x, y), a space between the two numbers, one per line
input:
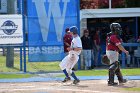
(47, 21)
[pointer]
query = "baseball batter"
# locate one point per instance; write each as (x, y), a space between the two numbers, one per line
(113, 45)
(72, 58)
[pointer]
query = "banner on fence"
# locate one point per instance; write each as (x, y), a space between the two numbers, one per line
(47, 21)
(11, 29)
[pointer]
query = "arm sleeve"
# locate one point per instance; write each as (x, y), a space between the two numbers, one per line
(79, 43)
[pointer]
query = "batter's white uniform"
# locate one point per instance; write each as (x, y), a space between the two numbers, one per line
(72, 58)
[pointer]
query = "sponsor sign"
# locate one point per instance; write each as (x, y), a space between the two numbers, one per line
(11, 31)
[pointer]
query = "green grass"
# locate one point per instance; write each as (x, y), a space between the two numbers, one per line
(31, 66)
(3, 67)
(104, 72)
(52, 66)
(12, 76)
(131, 89)
(129, 72)
(43, 66)
(91, 73)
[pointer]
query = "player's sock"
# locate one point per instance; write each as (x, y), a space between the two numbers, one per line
(65, 72)
(74, 76)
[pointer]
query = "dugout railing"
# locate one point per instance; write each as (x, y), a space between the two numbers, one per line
(136, 59)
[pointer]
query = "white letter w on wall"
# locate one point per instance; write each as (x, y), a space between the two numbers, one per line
(54, 11)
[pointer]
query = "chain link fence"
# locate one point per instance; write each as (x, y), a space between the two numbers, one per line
(9, 59)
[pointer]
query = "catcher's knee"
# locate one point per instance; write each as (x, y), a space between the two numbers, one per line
(113, 67)
(111, 70)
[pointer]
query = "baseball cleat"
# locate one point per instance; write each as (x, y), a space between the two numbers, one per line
(123, 81)
(112, 84)
(76, 81)
(66, 79)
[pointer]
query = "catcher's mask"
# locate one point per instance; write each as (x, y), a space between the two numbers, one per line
(116, 28)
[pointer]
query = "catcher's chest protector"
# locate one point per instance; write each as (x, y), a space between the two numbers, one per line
(109, 40)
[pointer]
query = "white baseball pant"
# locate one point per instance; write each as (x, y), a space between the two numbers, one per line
(69, 61)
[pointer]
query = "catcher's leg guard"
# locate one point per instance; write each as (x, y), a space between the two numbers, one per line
(119, 75)
(111, 74)
(111, 77)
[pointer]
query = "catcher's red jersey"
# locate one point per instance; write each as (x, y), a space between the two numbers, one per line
(112, 42)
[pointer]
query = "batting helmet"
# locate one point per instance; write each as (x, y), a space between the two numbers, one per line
(74, 30)
(116, 28)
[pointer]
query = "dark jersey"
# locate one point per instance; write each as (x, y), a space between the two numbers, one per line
(67, 39)
(112, 42)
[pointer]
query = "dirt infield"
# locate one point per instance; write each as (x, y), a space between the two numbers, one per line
(86, 86)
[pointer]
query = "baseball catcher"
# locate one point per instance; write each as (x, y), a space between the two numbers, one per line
(113, 45)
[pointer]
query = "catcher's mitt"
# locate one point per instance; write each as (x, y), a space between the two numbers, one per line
(105, 60)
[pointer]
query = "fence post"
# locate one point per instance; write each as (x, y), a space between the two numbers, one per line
(136, 27)
(10, 49)
(78, 24)
(20, 58)
(24, 42)
(10, 56)
(123, 60)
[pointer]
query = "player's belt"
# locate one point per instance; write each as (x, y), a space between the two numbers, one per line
(112, 50)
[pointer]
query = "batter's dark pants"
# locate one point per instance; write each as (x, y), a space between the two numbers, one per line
(115, 69)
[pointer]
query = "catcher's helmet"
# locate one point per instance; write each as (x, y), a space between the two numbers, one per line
(74, 29)
(116, 28)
